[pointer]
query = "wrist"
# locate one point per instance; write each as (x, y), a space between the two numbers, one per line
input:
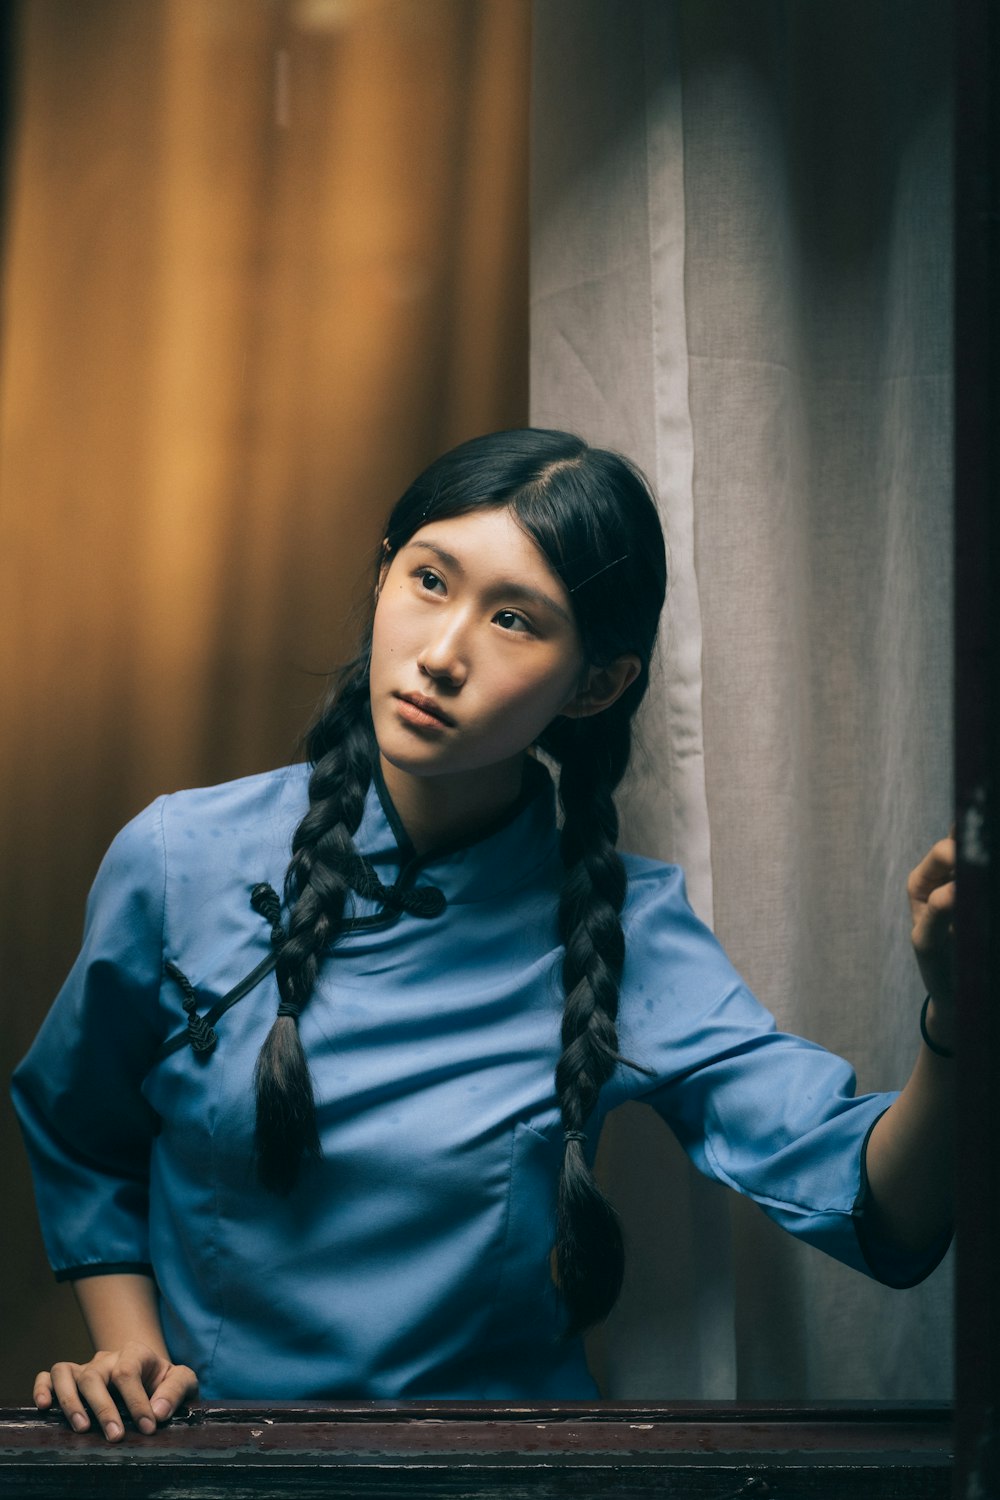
(121, 1308)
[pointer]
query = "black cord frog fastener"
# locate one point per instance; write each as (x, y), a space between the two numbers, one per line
(267, 904)
(417, 901)
(199, 1033)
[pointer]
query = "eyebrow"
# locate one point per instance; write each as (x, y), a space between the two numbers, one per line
(504, 586)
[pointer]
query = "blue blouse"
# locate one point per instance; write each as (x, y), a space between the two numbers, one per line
(412, 1260)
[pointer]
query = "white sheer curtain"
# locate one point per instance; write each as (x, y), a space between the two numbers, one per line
(741, 278)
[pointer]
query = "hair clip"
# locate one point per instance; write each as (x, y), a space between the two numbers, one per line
(585, 581)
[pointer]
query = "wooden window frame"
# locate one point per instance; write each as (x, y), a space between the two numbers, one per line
(977, 740)
(364, 1450)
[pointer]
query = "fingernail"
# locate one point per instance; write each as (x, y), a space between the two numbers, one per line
(113, 1430)
(79, 1421)
(161, 1407)
(146, 1424)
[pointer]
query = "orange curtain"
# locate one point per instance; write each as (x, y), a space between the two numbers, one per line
(263, 260)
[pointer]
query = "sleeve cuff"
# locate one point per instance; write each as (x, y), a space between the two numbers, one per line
(107, 1268)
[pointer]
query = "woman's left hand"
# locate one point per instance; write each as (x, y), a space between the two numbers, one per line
(931, 889)
(910, 1155)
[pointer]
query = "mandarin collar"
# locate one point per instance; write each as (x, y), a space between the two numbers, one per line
(502, 857)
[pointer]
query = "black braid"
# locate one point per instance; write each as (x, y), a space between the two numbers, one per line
(315, 892)
(590, 1253)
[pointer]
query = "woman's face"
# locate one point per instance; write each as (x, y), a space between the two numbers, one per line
(474, 649)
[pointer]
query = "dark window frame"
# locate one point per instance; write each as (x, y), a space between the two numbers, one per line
(977, 739)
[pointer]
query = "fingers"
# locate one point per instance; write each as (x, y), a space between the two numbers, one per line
(941, 900)
(86, 1392)
(129, 1375)
(94, 1389)
(935, 869)
(932, 892)
(938, 905)
(68, 1389)
(179, 1384)
(933, 918)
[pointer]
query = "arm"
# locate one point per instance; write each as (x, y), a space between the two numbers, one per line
(910, 1151)
(123, 1319)
(88, 1129)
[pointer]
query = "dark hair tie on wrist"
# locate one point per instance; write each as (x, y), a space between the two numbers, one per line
(935, 1047)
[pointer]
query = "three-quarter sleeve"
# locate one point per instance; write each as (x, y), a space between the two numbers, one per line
(78, 1093)
(774, 1116)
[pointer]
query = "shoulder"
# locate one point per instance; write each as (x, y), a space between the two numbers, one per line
(187, 835)
(656, 892)
(197, 852)
(667, 941)
(251, 805)
(251, 812)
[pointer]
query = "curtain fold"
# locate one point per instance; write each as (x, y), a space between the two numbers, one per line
(740, 277)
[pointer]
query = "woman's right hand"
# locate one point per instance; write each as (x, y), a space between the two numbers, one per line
(147, 1384)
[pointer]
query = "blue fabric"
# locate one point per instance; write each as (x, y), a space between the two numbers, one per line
(413, 1260)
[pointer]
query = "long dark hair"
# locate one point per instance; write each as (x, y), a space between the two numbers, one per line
(592, 515)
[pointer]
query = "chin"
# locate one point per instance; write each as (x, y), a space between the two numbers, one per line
(411, 755)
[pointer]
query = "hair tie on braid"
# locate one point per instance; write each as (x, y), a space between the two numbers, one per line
(574, 1135)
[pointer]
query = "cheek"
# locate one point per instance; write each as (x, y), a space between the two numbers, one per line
(390, 633)
(531, 705)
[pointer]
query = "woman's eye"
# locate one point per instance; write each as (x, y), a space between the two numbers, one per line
(430, 581)
(509, 619)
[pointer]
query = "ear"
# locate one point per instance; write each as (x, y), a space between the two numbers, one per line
(602, 687)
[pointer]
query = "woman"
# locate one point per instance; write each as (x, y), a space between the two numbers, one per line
(440, 1012)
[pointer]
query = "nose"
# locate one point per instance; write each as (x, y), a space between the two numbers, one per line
(444, 657)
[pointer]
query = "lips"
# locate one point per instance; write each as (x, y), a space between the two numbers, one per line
(427, 706)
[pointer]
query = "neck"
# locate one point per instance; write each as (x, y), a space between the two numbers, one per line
(438, 810)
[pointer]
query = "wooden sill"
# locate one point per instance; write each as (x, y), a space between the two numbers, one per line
(878, 1451)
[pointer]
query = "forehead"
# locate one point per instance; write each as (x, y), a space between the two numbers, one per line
(490, 544)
